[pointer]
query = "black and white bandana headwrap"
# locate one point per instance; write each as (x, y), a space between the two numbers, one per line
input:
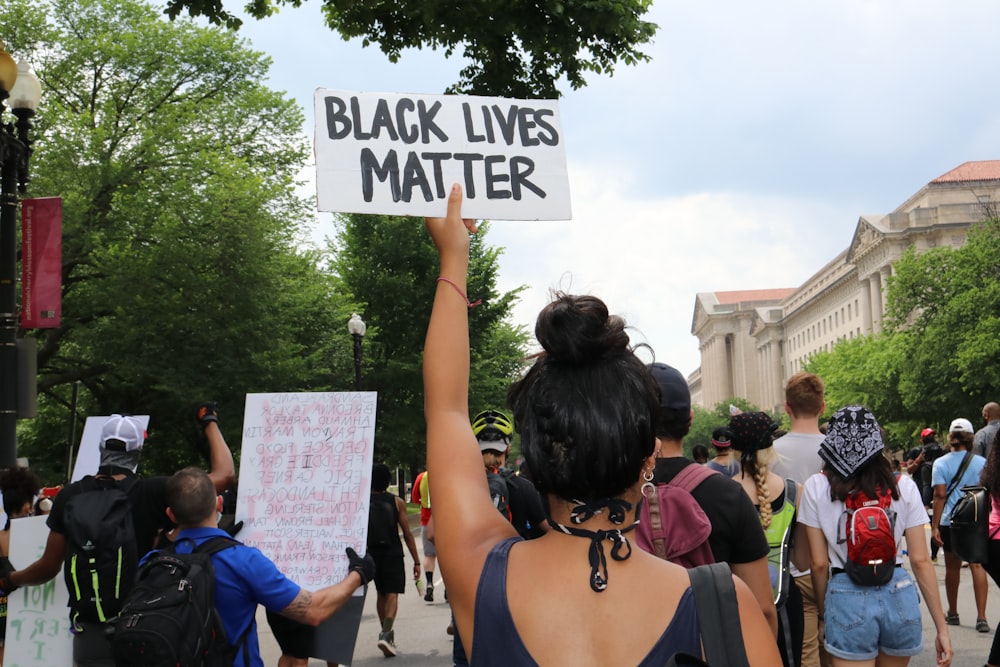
(852, 438)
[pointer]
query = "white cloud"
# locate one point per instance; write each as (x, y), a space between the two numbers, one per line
(741, 157)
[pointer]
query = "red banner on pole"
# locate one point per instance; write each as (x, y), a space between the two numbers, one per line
(41, 263)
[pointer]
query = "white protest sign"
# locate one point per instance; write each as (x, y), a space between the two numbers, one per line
(88, 455)
(305, 480)
(38, 626)
(399, 154)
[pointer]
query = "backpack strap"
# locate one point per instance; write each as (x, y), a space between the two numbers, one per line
(691, 476)
(687, 479)
(715, 601)
(958, 475)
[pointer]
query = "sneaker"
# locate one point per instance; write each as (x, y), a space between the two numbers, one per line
(951, 619)
(982, 625)
(386, 644)
(429, 595)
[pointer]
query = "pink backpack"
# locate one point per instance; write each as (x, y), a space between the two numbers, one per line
(672, 525)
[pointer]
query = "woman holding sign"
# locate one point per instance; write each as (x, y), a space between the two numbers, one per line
(580, 595)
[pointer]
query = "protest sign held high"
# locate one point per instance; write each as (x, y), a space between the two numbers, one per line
(399, 155)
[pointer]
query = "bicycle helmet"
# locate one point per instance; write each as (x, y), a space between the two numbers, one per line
(491, 426)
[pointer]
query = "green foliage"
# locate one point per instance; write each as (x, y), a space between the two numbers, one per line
(937, 358)
(390, 264)
(706, 421)
(182, 276)
(514, 49)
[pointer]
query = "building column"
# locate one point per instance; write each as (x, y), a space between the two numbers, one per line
(875, 285)
(866, 307)
(885, 272)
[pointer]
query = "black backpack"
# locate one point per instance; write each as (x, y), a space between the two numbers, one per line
(101, 558)
(383, 521)
(169, 618)
(499, 492)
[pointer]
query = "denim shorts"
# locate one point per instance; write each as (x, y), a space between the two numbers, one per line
(862, 621)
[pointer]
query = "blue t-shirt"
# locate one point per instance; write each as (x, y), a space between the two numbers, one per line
(244, 578)
(945, 468)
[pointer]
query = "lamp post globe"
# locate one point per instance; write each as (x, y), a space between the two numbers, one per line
(357, 327)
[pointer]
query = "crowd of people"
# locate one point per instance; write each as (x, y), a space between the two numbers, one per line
(809, 537)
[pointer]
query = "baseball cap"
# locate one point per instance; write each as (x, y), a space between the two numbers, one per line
(722, 437)
(927, 431)
(961, 425)
(674, 391)
(122, 433)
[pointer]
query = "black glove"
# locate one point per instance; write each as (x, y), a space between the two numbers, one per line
(206, 413)
(235, 528)
(365, 566)
(6, 569)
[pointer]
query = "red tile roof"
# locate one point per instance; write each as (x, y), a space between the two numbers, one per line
(741, 296)
(984, 170)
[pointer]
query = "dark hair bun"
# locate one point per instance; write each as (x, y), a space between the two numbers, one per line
(579, 330)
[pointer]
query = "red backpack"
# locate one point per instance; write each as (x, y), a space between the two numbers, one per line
(871, 541)
(672, 525)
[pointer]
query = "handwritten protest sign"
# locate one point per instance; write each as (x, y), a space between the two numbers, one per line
(399, 154)
(304, 488)
(37, 617)
(88, 455)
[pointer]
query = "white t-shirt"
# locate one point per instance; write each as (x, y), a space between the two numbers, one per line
(818, 511)
(798, 456)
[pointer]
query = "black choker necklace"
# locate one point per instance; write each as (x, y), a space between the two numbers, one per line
(616, 514)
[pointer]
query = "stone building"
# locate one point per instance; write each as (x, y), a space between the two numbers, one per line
(751, 341)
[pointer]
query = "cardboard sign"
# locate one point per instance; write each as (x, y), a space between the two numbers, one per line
(399, 154)
(88, 455)
(304, 489)
(38, 625)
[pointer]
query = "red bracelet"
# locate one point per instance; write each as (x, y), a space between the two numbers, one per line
(470, 304)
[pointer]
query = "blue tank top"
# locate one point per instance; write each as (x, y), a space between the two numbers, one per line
(497, 643)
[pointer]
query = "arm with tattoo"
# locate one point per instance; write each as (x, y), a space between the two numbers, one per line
(312, 608)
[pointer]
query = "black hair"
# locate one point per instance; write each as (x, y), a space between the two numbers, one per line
(874, 474)
(672, 423)
(586, 407)
(19, 487)
(699, 453)
(381, 475)
(191, 495)
(990, 476)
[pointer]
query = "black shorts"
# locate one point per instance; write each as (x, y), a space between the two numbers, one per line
(945, 538)
(390, 576)
(294, 638)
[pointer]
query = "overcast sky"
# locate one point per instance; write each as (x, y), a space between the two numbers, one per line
(740, 157)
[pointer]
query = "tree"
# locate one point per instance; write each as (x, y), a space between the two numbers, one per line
(514, 49)
(390, 264)
(706, 421)
(936, 358)
(182, 278)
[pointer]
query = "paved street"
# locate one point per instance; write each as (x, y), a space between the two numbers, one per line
(422, 641)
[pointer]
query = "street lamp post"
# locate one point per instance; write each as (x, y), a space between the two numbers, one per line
(357, 327)
(21, 91)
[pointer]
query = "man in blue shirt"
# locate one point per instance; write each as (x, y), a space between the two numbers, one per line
(245, 577)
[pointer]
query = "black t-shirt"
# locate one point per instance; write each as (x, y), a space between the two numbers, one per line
(737, 536)
(148, 498)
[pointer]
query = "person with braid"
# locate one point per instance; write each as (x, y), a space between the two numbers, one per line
(776, 500)
(580, 595)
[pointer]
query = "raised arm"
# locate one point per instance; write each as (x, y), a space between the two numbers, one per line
(466, 523)
(222, 469)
